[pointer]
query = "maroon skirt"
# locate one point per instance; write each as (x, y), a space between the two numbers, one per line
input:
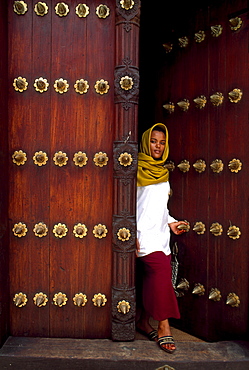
(158, 294)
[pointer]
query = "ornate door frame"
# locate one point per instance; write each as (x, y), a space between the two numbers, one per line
(126, 84)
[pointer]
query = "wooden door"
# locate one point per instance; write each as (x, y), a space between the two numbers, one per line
(68, 108)
(192, 65)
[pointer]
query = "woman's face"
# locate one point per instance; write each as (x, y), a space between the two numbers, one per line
(157, 144)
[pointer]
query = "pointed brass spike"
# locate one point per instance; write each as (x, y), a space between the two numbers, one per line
(198, 289)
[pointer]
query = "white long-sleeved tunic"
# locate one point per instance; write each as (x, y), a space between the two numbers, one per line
(153, 217)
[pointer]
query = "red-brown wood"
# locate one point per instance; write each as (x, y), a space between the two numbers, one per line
(215, 65)
(4, 237)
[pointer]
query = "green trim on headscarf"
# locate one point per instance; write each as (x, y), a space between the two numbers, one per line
(151, 171)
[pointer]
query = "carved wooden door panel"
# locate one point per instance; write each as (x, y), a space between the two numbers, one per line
(62, 127)
(202, 75)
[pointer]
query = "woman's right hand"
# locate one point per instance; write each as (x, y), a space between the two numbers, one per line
(137, 246)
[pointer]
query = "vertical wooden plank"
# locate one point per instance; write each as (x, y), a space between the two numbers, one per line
(82, 122)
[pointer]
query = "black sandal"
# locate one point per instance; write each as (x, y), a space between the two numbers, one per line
(152, 335)
(166, 340)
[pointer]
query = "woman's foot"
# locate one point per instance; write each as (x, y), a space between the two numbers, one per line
(144, 327)
(165, 339)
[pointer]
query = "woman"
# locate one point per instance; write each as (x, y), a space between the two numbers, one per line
(153, 237)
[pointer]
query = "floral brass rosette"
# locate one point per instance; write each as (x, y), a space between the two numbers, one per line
(20, 84)
(60, 299)
(82, 10)
(60, 230)
(19, 157)
(127, 4)
(101, 87)
(61, 86)
(40, 299)
(81, 86)
(125, 159)
(80, 159)
(41, 8)
(126, 82)
(40, 229)
(124, 234)
(61, 9)
(20, 299)
(20, 7)
(80, 299)
(80, 230)
(100, 159)
(40, 158)
(100, 231)
(102, 11)
(99, 300)
(123, 307)
(60, 159)
(20, 229)
(41, 84)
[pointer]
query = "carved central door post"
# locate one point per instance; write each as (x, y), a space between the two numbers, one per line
(126, 82)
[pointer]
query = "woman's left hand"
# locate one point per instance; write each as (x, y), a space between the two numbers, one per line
(173, 226)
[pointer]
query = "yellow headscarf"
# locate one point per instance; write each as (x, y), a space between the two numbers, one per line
(151, 171)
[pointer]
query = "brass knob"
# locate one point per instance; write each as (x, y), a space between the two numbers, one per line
(170, 107)
(235, 95)
(124, 234)
(168, 47)
(80, 159)
(20, 84)
(123, 307)
(198, 289)
(61, 9)
(20, 229)
(20, 7)
(61, 86)
(183, 41)
(184, 105)
(60, 159)
(216, 229)
(60, 299)
(200, 101)
(234, 232)
(101, 86)
(40, 158)
(99, 300)
(80, 230)
(200, 36)
(217, 99)
(199, 165)
(199, 228)
(235, 165)
(40, 229)
(41, 8)
(127, 4)
(184, 227)
(102, 11)
(100, 231)
(214, 295)
(81, 86)
(235, 23)
(183, 284)
(20, 299)
(82, 10)
(170, 166)
(41, 84)
(216, 30)
(125, 159)
(80, 299)
(233, 300)
(60, 230)
(184, 166)
(19, 157)
(217, 165)
(40, 299)
(126, 83)
(100, 159)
